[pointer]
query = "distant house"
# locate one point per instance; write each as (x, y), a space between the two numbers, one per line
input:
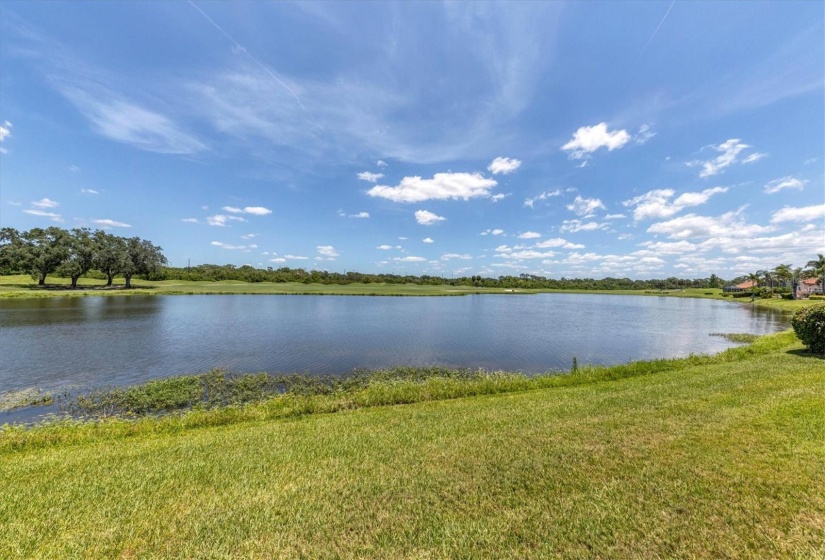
(745, 286)
(808, 287)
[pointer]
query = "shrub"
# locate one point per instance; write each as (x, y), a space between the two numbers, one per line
(809, 325)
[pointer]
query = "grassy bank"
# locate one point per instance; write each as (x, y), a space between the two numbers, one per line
(23, 287)
(704, 457)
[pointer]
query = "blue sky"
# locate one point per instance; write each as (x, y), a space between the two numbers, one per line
(641, 140)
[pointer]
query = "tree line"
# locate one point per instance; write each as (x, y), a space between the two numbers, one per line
(72, 254)
(75, 253)
(246, 273)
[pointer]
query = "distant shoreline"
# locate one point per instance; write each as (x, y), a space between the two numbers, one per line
(21, 287)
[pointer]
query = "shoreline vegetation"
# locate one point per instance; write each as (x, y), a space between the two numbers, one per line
(704, 457)
(22, 286)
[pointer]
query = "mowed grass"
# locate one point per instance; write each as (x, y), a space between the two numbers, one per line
(23, 286)
(697, 458)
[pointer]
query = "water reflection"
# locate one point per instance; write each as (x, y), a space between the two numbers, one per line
(57, 342)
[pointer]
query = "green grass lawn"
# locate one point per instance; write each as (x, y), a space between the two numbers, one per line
(705, 457)
(23, 286)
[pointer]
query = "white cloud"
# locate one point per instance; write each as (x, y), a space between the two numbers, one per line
(558, 242)
(529, 235)
(409, 259)
(803, 214)
(443, 186)
(528, 254)
(220, 220)
(45, 203)
(249, 236)
(369, 176)
(107, 223)
(657, 203)
(503, 165)
(129, 123)
(227, 246)
(588, 139)
(360, 215)
(754, 157)
(496, 232)
(809, 161)
(255, 210)
(574, 226)
(42, 213)
(5, 130)
(730, 150)
(448, 256)
(666, 248)
(784, 183)
(586, 207)
(427, 240)
(295, 258)
(384, 247)
(381, 163)
(499, 196)
(190, 220)
(327, 251)
(645, 133)
(693, 226)
(614, 216)
(277, 260)
(89, 191)
(426, 218)
(543, 196)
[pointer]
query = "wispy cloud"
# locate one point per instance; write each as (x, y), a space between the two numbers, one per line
(254, 210)
(230, 247)
(43, 214)
(125, 121)
(369, 176)
(106, 223)
(5, 132)
(222, 220)
(543, 196)
(45, 203)
(788, 182)
(729, 155)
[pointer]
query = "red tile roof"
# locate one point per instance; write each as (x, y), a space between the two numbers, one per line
(746, 285)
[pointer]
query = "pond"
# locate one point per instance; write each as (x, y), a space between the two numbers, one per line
(89, 341)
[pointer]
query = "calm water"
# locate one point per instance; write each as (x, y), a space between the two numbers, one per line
(51, 343)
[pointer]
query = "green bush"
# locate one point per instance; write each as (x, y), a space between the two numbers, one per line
(809, 325)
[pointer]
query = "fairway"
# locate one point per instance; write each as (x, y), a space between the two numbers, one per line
(725, 458)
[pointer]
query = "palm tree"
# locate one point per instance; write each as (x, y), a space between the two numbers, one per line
(783, 273)
(768, 275)
(818, 268)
